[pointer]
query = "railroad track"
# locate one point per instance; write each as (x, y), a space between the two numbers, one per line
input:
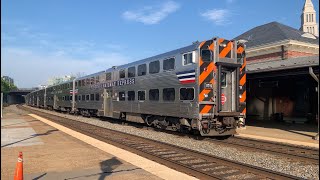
(199, 165)
(297, 153)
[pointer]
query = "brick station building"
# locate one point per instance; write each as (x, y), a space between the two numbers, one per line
(279, 84)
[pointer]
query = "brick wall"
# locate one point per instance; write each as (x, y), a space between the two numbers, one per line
(278, 55)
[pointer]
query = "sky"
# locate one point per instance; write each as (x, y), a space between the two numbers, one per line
(45, 39)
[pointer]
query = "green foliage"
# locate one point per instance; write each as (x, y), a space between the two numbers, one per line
(6, 87)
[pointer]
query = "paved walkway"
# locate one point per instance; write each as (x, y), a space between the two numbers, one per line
(49, 153)
(297, 134)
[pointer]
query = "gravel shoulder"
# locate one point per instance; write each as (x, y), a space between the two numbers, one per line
(260, 159)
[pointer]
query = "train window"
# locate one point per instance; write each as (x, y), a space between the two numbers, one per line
(187, 58)
(97, 97)
(168, 64)
(66, 98)
(70, 98)
(108, 76)
(131, 95)
(186, 93)
(223, 80)
(168, 94)
(132, 71)
(87, 97)
(97, 79)
(83, 97)
(91, 97)
(76, 97)
(122, 73)
(63, 98)
(79, 98)
(142, 69)
(154, 94)
(92, 80)
(141, 95)
(122, 96)
(154, 67)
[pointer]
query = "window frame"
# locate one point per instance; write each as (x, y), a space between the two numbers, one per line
(192, 55)
(145, 68)
(122, 72)
(97, 97)
(144, 95)
(106, 75)
(120, 98)
(158, 95)
(134, 74)
(194, 93)
(134, 95)
(154, 62)
(164, 96)
(174, 64)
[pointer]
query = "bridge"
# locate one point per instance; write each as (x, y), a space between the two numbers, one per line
(16, 96)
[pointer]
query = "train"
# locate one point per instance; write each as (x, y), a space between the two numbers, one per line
(198, 88)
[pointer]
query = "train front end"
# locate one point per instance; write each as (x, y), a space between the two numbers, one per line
(222, 87)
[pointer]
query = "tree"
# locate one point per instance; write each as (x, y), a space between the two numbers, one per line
(6, 87)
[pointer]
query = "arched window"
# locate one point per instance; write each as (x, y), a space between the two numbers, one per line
(311, 17)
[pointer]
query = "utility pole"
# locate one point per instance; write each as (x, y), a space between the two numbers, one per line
(1, 103)
(317, 79)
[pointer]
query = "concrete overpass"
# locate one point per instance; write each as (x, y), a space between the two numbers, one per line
(17, 96)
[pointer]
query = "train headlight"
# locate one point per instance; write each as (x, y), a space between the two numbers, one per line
(240, 87)
(240, 96)
(205, 95)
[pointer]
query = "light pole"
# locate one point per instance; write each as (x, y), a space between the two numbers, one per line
(1, 103)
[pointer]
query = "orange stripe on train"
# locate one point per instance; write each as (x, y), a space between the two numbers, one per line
(206, 109)
(244, 65)
(243, 96)
(205, 74)
(225, 50)
(243, 80)
(244, 111)
(201, 95)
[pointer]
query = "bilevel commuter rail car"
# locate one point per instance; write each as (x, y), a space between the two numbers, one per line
(201, 88)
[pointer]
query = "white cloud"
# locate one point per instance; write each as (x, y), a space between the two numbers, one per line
(31, 68)
(152, 15)
(218, 16)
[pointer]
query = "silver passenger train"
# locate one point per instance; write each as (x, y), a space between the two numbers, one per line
(199, 88)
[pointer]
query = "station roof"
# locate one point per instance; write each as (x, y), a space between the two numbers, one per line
(274, 32)
(291, 63)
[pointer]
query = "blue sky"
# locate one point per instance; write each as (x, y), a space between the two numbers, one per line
(45, 39)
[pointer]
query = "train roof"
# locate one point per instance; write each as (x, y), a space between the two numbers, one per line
(90, 75)
(160, 56)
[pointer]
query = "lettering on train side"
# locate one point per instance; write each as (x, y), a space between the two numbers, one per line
(121, 82)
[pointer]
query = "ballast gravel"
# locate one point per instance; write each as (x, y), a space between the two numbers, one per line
(260, 159)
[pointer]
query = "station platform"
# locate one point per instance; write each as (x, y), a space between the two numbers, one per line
(50, 153)
(282, 132)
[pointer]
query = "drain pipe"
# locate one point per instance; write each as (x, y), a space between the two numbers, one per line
(315, 78)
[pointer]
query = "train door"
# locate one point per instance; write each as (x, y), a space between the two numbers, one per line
(107, 101)
(228, 90)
